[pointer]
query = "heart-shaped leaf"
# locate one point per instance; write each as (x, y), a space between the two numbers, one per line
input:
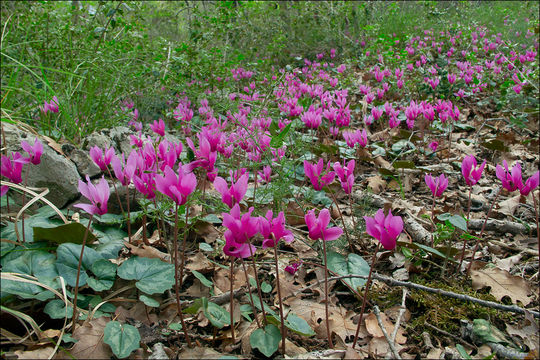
(266, 340)
(354, 265)
(105, 272)
(218, 316)
(122, 338)
(67, 261)
(152, 275)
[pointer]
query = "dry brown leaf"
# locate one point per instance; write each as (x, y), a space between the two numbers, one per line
(377, 184)
(294, 214)
(90, 344)
(207, 231)
(509, 206)
(375, 330)
(222, 283)
(199, 262)
(378, 347)
(382, 163)
(147, 251)
(41, 353)
(342, 324)
(501, 282)
(199, 353)
(528, 331)
(509, 262)
(198, 290)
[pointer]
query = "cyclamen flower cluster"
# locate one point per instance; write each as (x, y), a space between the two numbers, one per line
(11, 166)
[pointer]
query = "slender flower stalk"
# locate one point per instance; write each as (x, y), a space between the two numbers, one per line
(437, 186)
(318, 230)
(231, 276)
(283, 329)
(253, 308)
(76, 291)
(471, 173)
(386, 229)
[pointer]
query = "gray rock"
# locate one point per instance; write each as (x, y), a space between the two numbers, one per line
(83, 162)
(121, 140)
(98, 139)
(55, 172)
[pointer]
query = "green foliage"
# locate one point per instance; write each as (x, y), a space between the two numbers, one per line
(122, 338)
(353, 265)
(266, 339)
(152, 275)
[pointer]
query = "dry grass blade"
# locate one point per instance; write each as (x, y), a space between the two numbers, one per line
(64, 299)
(33, 193)
(26, 318)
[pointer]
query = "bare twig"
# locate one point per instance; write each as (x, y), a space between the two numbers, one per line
(377, 313)
(411, 285)
(400, 315)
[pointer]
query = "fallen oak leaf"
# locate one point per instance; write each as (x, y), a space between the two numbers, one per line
(148, 252)
(501, 282)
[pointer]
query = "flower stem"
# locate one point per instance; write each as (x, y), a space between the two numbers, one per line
(76, 292)
(115, 190)
(537, 229)
(342, 221)
(258, 285)
(482, 230)
(128, 215)
(231, 277)
(352, 213)
(177, 283)
(283, 330)
(250, 295)
(184, 247)
(432, 222)
(467, 227)
(368, 283)
(326, 296)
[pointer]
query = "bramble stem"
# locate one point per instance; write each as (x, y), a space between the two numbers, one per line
(76, 292)
(368, 283)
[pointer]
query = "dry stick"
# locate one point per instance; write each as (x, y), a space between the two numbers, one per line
(79, 274)
(231, 276)
(250, 295)
(400, 315)
(326, 296)
(411, 285)
(176, 282)
(467, 227)
(342, 221)
(482, 231)
(377, 313)
(283, 330)
(368, 283)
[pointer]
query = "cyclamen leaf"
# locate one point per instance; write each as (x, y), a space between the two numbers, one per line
(122, 338)
(266, 340)
(152, 275)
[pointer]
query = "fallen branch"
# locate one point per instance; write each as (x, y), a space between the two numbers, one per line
(377, 313)
(501, 226)
(392, 282)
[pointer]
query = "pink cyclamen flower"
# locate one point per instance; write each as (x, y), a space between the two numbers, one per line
(12, 169)
(471, 173)
(530, 184)
(239, 230)
(293, 268)
(314, 173)
(345, 175)
(125, 170)
(234, 194)
(386, 229)
(96, 154)
(3, 190)
(158, 127)
(52, 106)
(318, 226)
(265, 174)
(437, 185)
(97, 194)
(176, 186)
(433, 146)
(34, 151)
(510, 179)
(273, 229)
